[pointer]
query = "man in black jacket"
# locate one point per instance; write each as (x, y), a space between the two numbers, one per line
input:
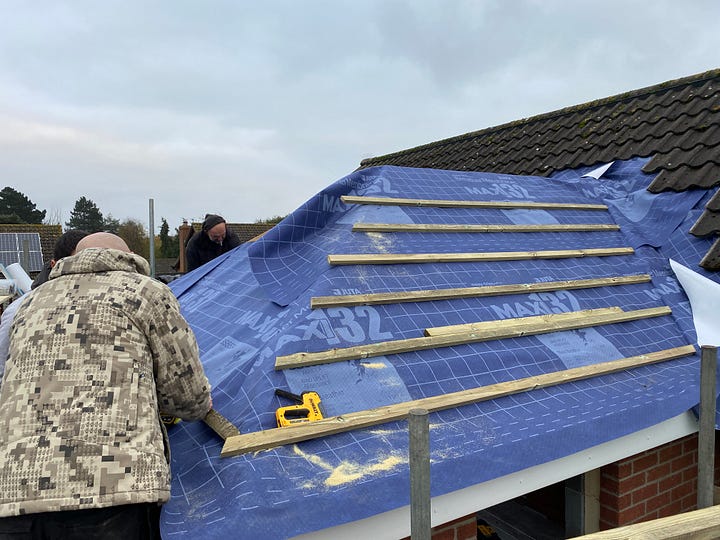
(214, 240)
(64, 247)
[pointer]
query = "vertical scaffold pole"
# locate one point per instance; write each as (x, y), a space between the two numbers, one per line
(706, 435)
(151, 230)
(419, 428)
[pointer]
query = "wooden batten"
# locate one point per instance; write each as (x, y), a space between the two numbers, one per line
(533, 324)
(468, 228)
(470, 292)
(488, 256)
(271, 438)
(503, 330)
(444, 203)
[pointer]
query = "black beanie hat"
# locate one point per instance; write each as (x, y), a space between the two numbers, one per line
(211, 220)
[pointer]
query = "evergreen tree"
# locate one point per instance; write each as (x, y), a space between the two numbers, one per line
(110, 224)
(168, 244)
(86, 216)
(14, 204)
(10, 219)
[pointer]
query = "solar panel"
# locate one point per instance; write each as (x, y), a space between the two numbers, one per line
(15, 246)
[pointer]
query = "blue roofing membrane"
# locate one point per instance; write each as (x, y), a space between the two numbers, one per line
(253, 304)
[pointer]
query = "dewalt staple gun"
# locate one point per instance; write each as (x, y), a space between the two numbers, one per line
(306, 410)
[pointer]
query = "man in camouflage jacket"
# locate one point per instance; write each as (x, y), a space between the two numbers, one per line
(95, 353)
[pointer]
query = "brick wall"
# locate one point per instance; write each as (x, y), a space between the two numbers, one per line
(653, 484)
(464, 528)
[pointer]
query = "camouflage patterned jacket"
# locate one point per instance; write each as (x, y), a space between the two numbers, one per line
(94, 353)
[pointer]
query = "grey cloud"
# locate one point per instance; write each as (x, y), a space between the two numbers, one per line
(191, 102)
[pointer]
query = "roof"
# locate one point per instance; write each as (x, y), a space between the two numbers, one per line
(256, 308)
(676, 123)
(48, 235)
(245, 231)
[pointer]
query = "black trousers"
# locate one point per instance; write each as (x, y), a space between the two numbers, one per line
(127, 522)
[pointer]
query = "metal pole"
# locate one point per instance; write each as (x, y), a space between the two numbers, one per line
(419, 474)
(706, 435)
(152, 238)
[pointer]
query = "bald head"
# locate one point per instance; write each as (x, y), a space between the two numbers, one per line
(102, 240)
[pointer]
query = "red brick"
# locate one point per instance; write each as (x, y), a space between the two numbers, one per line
(670, 451)
(645, 462)
(657, 473)
(653, 503)
(631, 515)
(445, 534)
(619, 469)
(671, 481)
(607, 497)
(609, 485)
(674, 508)
(689, 503)
(690, 474)
(643, 494)
(682, 462)
(690, 444)
(610, 469)
(683, 490)
(467, 531)
(624, 468)
(623, 502)
(631, 482)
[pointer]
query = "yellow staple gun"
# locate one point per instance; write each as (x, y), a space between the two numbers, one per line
(306, 410)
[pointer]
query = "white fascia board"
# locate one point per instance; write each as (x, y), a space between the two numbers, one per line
(444, 508)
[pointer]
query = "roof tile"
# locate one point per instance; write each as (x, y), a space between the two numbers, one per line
(676, 123)
(711, 260)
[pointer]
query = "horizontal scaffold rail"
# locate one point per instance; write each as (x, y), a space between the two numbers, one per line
(443, 203)
(271, 438)
(483, 256)
(471, 292)
(502, 329)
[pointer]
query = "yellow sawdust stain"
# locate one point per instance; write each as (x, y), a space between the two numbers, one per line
(380, 242)
(373, 365)
(348, 472)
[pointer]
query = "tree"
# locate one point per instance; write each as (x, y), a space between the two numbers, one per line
(271, 221)
(10, 219)
(86, 216)
(14, 204)
(54, 217)
(110, 224)
(168, 244)
(133, 232)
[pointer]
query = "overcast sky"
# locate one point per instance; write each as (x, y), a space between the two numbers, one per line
(247, 109)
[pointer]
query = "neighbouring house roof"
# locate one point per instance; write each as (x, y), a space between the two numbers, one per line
(676, 124)
(245, 231)
(48, 235)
